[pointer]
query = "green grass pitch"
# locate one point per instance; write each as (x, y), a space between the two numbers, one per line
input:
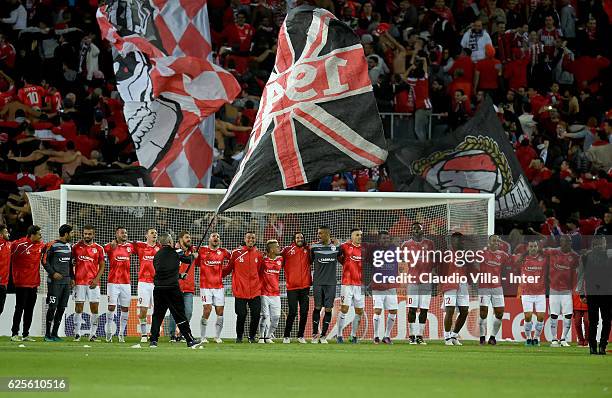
(257, 370)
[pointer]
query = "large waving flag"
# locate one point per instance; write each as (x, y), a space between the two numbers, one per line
(170, 86)
(477, 158)
(317, 116)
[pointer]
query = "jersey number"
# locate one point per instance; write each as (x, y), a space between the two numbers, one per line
(33, 97)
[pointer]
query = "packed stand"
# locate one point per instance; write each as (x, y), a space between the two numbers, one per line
(546, 65)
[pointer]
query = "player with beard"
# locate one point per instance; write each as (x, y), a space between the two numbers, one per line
(532, 291)
(491, 291)
(146, 251)
(187, 284)
(118, 289)
(88, 257)
(298, 276)
(211, 260)
(419, 294)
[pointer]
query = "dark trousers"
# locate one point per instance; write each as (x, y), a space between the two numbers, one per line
(240, 307)
(25, 300)
(295, 297)
(165, 299)
(2, 298)
(597, 304)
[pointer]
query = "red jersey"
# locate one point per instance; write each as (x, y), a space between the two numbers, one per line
(418, 97)
(187, 285)
(350, 258)
(119, 262)
(145, 254)
(270, 274)
(452, 269)
(548, 38)
(504, 246)
(491, 268)
(86, 261)
(488, 69)
(25, 261)
(31, 95)
(245, 263)
(297, 267)
(54, 101)
(211, 267)
(562, 269)
(418, 249)
(7, 55)
(5, 261)
(534, 267)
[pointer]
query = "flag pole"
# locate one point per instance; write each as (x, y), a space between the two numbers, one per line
(207, 229)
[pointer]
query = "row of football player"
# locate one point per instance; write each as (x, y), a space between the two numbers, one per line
(296, 261)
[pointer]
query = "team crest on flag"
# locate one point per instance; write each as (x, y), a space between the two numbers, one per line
(169, 84)
(317, 115)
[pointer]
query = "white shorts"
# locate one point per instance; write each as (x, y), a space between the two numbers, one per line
(145, 294)
(457, 297)
(385, 299)
(119, 294)
(270, 306)
(352, 295)
(560, 303)
(83, 293)
(214, 297)
(491, 295)
(531, 301)
(419, 295)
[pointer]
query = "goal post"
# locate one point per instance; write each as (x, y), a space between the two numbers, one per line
(276, 215)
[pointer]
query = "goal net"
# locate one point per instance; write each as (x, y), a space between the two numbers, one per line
(274, 216)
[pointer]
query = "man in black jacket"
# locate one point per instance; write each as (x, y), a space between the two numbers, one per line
(167, 294)
(595, 287)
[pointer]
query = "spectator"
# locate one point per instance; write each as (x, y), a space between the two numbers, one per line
(476, 39)
(18, 19)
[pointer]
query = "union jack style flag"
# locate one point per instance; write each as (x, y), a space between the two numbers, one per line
(317, 116)
(169, 84)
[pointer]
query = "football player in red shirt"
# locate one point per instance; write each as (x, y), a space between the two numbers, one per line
(298, 276)
(5, 263)
(25, 262)
(211, 259)
(532, 290)
(118, 289)
(351, 292)
(419, 293)
(384, 295)
(88, 257)
(563, 263)
(490, 289)
(146, 251)
(270, 292)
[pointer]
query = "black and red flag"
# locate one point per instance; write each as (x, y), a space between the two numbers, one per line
(476, 158)
(317, 116)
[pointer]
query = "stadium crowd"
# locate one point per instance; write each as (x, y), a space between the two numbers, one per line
(546, 65)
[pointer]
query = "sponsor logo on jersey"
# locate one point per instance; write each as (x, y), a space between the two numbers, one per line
(148, 258)
(121, 258)
(85, 258)
(214, 263)
(327, 259)
(356, 258)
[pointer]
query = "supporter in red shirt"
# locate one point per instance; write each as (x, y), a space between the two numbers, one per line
(465, 63)
(239, 35)
(526, 154)
(516, 72)
(7, 53)
(537, 172)
(32, 95)
(548, 35)
(585, 68)
(25, 260)
(487, 71)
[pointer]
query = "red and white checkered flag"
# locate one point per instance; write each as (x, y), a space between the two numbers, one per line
(170, 86)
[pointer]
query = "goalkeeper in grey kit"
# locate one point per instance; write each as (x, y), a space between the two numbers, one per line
(57, 261)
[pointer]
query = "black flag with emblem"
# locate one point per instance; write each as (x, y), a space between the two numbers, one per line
(476, 158)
